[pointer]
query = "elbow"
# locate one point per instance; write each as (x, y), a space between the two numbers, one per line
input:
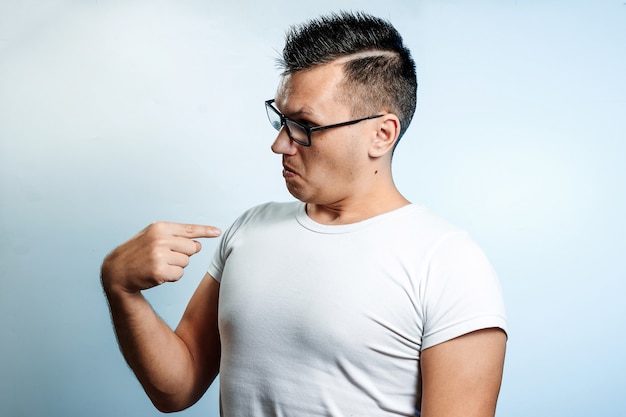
(170, 402)
(179, 394)
(166, 409)
(169, 405)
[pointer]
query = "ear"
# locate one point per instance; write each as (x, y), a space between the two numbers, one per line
(386, 136)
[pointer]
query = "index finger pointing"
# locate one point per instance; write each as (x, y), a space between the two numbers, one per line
(193, 231)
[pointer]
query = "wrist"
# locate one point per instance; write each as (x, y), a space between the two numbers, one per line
(113, 287)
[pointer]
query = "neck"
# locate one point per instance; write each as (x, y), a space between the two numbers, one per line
(352, 210)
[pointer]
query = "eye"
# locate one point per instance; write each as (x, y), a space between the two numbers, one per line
(305, 123)
(277, 124)
(301, 123)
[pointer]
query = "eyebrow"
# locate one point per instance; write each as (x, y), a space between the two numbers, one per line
(301, 112)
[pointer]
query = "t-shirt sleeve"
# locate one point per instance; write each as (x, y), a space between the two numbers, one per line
(216, 267)
(460, 293)
(218, 262)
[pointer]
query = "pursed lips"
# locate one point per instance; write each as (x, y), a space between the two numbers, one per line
(287, 170)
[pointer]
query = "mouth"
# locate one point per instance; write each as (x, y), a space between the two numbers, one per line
(288, 171)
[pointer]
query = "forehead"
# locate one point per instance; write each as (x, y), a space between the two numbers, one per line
(314, 88)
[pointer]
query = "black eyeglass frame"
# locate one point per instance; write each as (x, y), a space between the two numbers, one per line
(308, 129)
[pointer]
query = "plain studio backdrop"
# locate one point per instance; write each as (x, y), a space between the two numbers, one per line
(115, 114)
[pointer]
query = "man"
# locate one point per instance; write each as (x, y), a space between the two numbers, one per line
(349, 302)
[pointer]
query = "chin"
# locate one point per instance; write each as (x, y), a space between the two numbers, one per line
(295, 193)
(298, 194)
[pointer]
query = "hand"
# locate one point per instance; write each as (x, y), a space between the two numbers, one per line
(155, 255)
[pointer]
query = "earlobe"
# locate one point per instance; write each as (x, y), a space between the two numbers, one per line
(386, 136)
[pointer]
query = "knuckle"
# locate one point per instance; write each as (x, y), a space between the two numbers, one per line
(157, 227)
(155, 255)
(160, 243)
(189, 229)
(160, 272)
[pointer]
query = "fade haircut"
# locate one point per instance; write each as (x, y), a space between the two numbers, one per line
(379, 71)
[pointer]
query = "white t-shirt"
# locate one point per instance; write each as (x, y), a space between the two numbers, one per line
(319, 320)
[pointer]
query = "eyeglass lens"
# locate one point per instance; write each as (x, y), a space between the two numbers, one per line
(296, 132)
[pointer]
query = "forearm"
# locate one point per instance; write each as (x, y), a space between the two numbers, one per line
(175, 368)
(159, 358)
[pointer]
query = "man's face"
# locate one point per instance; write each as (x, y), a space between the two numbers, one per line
(330, 170)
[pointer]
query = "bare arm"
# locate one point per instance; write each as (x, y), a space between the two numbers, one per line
(175, 368)
(461, 377)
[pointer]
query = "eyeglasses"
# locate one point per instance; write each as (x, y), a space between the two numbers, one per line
(298, 132)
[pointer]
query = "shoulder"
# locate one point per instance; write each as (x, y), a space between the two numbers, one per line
(266, 214)
(417, 225)
(446, 245)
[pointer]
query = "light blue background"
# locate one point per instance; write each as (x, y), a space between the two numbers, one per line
(114, 114)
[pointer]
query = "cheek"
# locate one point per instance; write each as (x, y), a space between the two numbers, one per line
(335, 160)
(340, 167)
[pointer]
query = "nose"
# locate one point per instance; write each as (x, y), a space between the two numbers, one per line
(283, 145)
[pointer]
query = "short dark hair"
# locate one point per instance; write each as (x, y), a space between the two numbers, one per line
(382, 73)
